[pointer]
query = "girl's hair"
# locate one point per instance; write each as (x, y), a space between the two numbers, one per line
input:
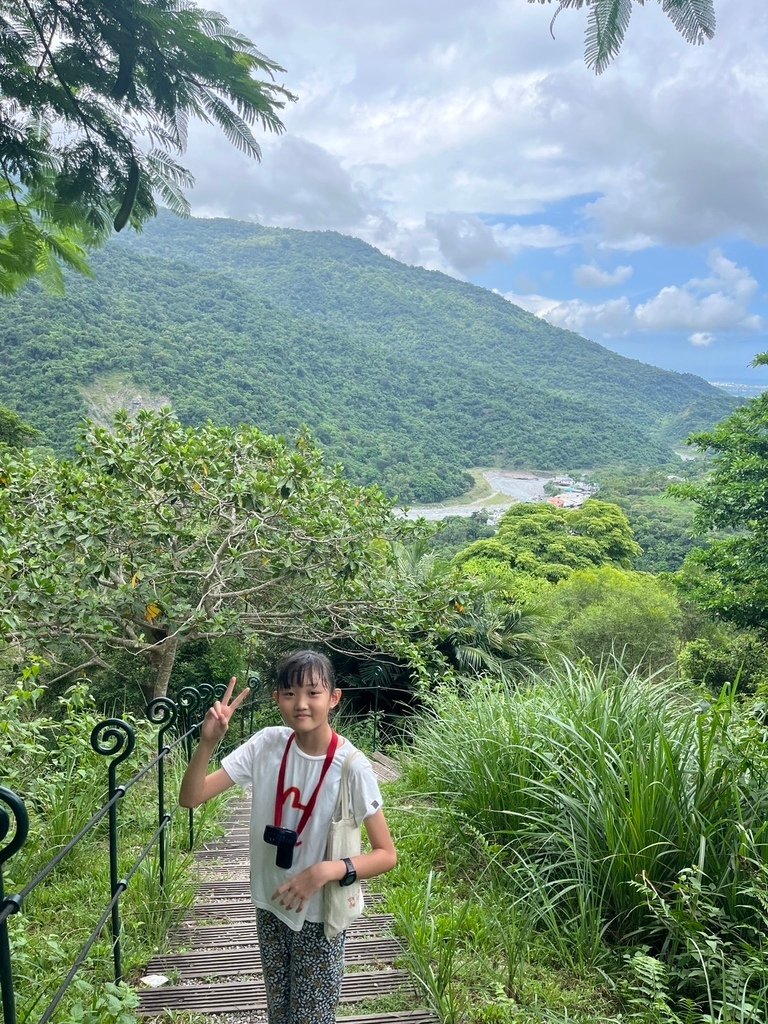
(302, 668)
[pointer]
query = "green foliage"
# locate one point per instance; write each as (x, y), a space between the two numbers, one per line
(550, 542)
(607, 614)
(608, 22)
(432, 944)
(14, 431)
(494, 637)
(48, 760)
(662, 524)
(727, 656)
(455, 532)
(156, 535)
(730, 577)
(246, 324)
(615, 807)
(96, 100)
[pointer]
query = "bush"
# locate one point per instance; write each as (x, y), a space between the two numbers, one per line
(729, 656)
(606, 613)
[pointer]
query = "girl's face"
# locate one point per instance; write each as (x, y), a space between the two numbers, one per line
(305, 707)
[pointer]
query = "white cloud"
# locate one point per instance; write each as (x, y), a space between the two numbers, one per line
(612, 317)
(702, 306)
(701, 339)
(590, 276)
(427, 128)
(451, 107)
(719, 302)
(466, 242)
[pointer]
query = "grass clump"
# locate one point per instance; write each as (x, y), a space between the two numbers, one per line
(611, 822)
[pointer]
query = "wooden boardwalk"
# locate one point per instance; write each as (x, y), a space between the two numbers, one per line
(214, 965)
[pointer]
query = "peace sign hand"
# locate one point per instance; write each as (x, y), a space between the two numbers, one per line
(216, 721)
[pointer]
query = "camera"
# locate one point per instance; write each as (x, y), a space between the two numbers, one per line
(284, 839)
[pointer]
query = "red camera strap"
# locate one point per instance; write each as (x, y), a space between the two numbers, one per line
(280, 793)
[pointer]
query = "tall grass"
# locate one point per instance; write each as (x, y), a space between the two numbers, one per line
(595, 793)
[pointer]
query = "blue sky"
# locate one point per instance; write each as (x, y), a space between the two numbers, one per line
(631, 207)
(591, 276)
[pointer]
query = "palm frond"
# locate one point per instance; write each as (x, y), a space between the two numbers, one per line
(163, 164)
(167, 188)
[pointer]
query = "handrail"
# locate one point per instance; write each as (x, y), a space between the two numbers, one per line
(115, 739)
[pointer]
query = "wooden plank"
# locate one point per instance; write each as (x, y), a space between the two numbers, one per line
(397, 1017)
(192, 935)
(227, 996)
(246, 959)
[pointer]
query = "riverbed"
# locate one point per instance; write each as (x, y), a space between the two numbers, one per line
(507, 488)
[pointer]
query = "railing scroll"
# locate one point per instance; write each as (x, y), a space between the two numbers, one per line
(163, 712)
(12, 905)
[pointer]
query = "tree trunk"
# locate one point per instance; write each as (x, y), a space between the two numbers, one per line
(162, 658)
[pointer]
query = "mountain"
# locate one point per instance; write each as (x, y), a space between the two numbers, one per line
(405, 375)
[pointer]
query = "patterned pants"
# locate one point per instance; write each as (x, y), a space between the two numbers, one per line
(302, 971)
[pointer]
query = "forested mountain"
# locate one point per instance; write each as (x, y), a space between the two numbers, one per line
(406, 375)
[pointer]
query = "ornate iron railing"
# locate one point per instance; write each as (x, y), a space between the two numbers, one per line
(115, 739)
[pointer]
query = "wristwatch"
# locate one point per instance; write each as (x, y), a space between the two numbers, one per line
(351, 875)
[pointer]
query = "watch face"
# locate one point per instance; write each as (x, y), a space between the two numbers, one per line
(351, 875)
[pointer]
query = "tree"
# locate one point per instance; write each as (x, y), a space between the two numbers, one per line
(14, 431)
(609, 19)
(729, 655)
(155, 536)
(607, 613)
(491, 636)
(730, 578)
(95, 99)
(551, 542)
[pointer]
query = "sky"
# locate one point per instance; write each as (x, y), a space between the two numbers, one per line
(630, 207)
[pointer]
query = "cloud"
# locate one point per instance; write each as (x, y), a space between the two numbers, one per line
(701, 339)
(299, 184)
(612, 317)
(441, 108)
(589, 276)
(466, 242)
(719, 302)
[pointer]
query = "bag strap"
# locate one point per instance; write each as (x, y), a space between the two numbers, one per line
(345, 769)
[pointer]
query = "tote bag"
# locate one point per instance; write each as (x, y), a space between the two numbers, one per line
(342, 903)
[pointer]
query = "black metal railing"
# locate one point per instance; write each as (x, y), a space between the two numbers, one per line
(116, 739)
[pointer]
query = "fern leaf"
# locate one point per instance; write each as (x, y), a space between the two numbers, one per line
(606, 27)
(693, 19)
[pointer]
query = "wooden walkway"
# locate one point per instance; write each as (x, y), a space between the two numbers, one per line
(214, 965)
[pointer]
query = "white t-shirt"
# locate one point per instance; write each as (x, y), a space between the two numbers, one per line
(256, 763)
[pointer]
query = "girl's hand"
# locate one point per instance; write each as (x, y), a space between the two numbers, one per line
(216, 721)
(297, 891)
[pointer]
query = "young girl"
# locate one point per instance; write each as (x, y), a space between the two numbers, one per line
(294, 772)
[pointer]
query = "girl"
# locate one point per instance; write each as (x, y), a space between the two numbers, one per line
(294, 772)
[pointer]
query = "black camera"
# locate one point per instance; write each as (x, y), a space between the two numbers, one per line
(284, 839)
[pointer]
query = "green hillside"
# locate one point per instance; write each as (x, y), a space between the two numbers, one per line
(405, 375)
